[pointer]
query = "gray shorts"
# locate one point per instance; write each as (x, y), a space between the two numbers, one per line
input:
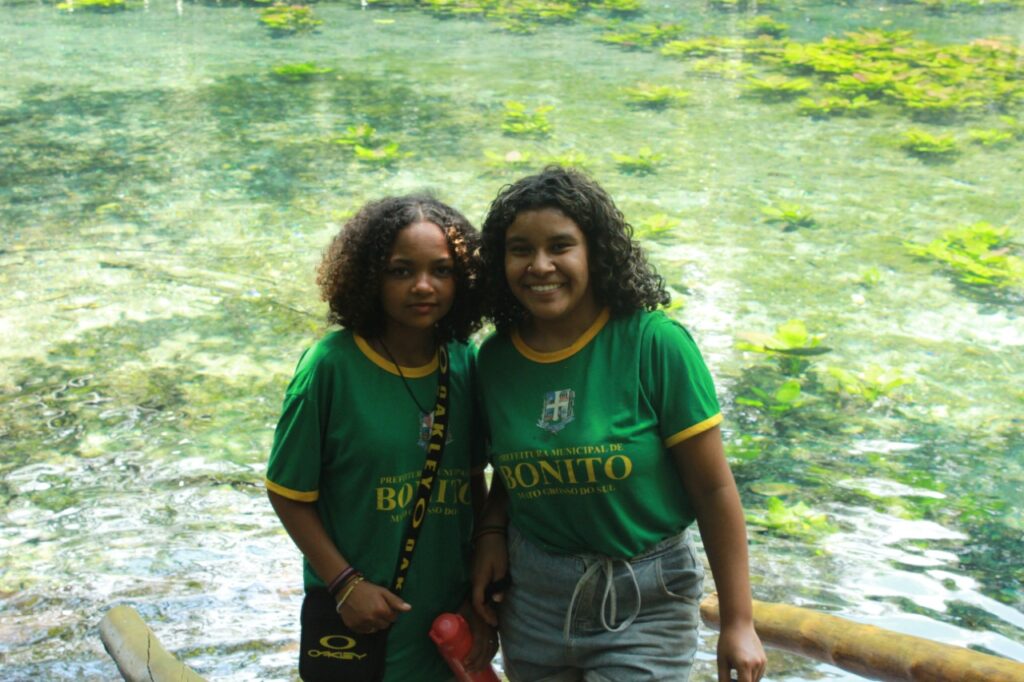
(570, 617)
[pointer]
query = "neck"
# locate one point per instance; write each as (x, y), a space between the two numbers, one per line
(548, 336)
(407, 349)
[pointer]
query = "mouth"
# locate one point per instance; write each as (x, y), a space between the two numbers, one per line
(422, 307)
(544, 288)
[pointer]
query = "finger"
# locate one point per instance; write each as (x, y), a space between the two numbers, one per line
(723, 671)
(396, 603)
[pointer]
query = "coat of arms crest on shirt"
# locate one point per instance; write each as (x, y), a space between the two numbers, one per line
(558, 410)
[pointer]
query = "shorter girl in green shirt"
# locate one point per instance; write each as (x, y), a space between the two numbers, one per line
(400, 279)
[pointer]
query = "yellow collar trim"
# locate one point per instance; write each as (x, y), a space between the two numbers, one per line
(568, 351)
(388, 366)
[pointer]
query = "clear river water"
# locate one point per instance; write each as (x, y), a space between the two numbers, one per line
(833, 191)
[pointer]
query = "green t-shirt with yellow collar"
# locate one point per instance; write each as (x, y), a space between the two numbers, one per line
(580, 436)
(351, 440)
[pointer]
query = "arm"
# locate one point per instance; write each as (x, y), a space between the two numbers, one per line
(490, 555)
(705, 474)
(369, 607)
(485, 643)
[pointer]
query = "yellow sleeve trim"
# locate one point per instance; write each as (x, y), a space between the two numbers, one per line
(298, 496)
(388, 366)
(699, 427)
(563, 353)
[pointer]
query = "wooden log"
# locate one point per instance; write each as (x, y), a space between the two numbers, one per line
(137, 652)
(867, 650)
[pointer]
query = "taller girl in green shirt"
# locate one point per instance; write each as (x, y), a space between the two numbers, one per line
(604, 436)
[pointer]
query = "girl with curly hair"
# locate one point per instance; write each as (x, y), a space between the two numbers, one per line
(604, 436)
(401, 280)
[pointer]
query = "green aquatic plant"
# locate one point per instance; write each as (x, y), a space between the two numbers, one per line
(766, 26)
(739, 5)
(648, 96)
(788, 396)
(282, 19)
(836, 106)
(870, 385)
(869, 277)
(362, 134)
(929, 100)
(520, 121)
(791, 216)
(644, 162)
(568, 159)
(615, 6)
(797, 520)
(654, 226)
(792, 343)
(991, 138)
(643, 35)
(384, 155)
(99, 6)
(979, 255)
(300, 72)
(924, 145)
(775, 87)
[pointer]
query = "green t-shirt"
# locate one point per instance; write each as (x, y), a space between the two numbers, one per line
(580, 436)
(352, 440)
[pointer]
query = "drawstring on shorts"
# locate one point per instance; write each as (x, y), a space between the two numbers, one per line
(608, 566)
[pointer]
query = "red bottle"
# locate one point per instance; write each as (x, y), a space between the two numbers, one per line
(451, 634)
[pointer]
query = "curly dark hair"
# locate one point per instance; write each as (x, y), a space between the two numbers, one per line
(620, 276)
(351, 272)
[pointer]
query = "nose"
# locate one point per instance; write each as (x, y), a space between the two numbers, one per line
(541, 263)
(423, 283)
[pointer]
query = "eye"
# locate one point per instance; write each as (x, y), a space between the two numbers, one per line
(397, 271)
(444, 271)
(561, 247)
(518, 250)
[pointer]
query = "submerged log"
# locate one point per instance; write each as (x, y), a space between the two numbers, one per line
(867, 650)
(137, 652)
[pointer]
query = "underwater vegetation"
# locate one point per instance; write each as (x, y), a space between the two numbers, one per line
(523, 122)
(648, 96)
(979, 255)
(643, 162)
(282, 19)
(301, 72)
(93, 6)
(791, 216)
(925, 145)
(632, 36)
(515, 16)
(370, 148)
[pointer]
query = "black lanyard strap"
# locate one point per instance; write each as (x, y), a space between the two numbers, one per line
(431, 467)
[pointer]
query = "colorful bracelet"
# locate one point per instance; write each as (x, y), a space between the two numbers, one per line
(340, 579)
(351, 586)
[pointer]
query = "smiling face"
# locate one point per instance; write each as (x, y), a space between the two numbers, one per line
(547, 268)
(418, 286)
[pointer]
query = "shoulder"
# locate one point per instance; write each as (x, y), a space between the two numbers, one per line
(658, 328)
(493, 346)
(323, 357)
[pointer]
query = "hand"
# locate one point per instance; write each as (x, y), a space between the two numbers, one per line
(370, 608)
(485, 640)
(490, 564)
(739, 649)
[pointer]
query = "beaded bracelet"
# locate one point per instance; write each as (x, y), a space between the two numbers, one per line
(351, 586)
(340, 579)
